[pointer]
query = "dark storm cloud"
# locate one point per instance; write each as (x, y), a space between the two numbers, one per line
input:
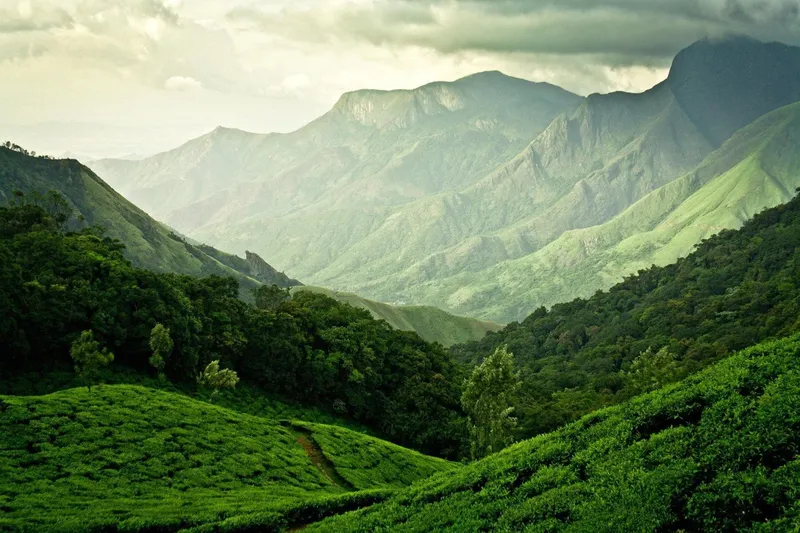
(616, 32)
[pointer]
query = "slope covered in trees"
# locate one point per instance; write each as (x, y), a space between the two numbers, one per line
(144, 459)
(430, 323)
(54, 285)
(736, 289)
(148, 243)
(716, 452)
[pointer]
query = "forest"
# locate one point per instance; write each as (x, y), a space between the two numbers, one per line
(58, 283)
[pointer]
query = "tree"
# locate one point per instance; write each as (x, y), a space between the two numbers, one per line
(161, 344)
(217, 379)
(88, 358)
(487, 399)
(652, 370)
(270, 297)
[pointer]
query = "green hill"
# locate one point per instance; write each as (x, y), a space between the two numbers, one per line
(430, 323)
(149, 244)
(131, 458)
(716, 452)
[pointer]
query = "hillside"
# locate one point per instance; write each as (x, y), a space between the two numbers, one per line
(716, 452)
(372, 216)
(149, 459)
(737, 288)
(430, 323)
(149, 244)
(756, 169)
(58, 286)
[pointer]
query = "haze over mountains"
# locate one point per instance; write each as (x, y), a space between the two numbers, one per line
(491, 196)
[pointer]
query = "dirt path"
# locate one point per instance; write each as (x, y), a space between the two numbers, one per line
(318, 459)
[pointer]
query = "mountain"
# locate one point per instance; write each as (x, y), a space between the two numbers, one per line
(149, 459)
(149, 244)
(372, 150)
(716, 452)
(430, 323)
(757, 168)
(410, 196)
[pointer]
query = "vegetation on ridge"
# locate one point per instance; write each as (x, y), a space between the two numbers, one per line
(430, 323)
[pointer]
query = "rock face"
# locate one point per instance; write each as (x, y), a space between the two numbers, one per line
(264, 273)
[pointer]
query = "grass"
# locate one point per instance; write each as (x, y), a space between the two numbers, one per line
(719, 451)
(131, 458)
(430, 323)
(244, 398)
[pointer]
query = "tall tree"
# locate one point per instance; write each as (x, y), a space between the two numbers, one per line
(161, 344)
(487, 399)
(89, 358)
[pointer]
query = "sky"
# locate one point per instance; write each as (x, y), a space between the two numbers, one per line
(101, 78)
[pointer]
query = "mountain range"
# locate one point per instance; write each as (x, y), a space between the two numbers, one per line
(468, 195)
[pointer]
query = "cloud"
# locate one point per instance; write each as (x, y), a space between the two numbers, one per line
(614, 32)
(23, 17)
(182, 83)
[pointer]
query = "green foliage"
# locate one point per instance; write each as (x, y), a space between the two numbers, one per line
(656, 327)
(217, 379)
(430, 323)
(313, 350)
(89, 358)
(161, 344)
(271, 297)
(136, 459)
(488, 399)
(716, 452)
(365, 461)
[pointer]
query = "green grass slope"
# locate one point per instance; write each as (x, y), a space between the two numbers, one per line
(131, 458)
(716, 452)
(149, 244)
(430, 323)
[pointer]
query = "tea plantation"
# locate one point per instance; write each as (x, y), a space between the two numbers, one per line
(716, 452)
(142, 459)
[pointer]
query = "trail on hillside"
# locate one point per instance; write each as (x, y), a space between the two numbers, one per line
(306, 439)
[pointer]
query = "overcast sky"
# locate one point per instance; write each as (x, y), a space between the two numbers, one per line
(110, 77)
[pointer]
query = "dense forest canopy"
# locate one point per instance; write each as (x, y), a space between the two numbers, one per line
(738, 288)
(55, 283)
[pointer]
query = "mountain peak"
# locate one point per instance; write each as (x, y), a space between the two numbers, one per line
(403, 107)
(724, 84)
